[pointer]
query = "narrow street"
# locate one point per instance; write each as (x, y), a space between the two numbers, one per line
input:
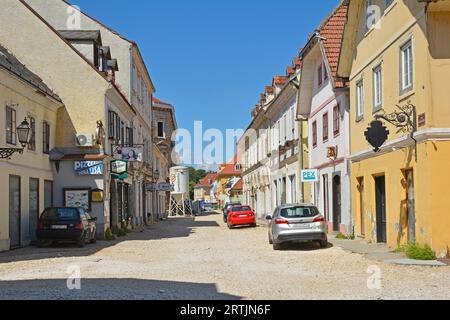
(184, 258)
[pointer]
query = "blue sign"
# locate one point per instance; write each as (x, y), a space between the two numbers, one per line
(88, 168)
(310, 175)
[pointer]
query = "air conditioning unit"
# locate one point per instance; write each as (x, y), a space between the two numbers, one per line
(84, 140)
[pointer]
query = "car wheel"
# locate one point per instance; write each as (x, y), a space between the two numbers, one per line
(40, 244)
(230, 226)
(270, 239)
(277, 246)
(82, 242)
(253, 225)
(323, 243)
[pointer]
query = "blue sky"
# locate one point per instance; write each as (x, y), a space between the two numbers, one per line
(212, 59)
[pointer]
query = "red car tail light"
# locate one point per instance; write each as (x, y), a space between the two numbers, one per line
(281, 221)
(320, 219)
(79, 226)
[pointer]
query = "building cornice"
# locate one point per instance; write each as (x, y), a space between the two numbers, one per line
(426, 135)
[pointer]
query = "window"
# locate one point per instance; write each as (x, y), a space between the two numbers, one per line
(161, 129)
(320, 75)
(11, 126)
(314, 133)
(111, 124)
(325, 127)
(325, 73)
(122, 133)
(377, 88)
(406, 68)
(359, 100)
(45, 137)
(372, 15)
(387, 3)
(336, 120)
(32, 141)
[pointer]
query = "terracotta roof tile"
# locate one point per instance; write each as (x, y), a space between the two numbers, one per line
(332, 29)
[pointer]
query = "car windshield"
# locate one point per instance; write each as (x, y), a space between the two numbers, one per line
(299, 212)
(241, 209)
(60, 214)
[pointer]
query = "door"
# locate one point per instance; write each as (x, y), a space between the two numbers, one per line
(33, 199)
(362, 215)
(48, 194)
(380, 194)
(326, 196)
(337, 203)
(14, 212)
(410, 206)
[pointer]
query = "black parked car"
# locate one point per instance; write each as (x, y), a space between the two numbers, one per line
(226, 209)
(66, 225)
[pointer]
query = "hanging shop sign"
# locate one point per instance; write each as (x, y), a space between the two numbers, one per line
(132, 154)
(163, 187)
(119, 169)
(310, 175)
(97, 195)
(88, 168)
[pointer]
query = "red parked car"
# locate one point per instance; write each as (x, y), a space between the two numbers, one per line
(241, 216)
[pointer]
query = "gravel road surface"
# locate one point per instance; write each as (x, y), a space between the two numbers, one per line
(183, 258)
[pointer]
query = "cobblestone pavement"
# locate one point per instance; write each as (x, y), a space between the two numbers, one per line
(184, 258)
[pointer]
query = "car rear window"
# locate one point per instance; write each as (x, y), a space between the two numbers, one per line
(60, 214)
(241, 209)
(299, 212)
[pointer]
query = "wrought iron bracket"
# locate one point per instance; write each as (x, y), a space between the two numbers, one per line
(405, 120)
(6, 153)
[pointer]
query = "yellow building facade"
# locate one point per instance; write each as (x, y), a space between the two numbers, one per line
(395, 56)
(27, 178)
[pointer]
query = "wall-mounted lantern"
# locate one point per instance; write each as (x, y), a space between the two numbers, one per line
(23, 134)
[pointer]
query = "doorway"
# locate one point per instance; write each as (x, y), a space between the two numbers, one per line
(362, 214)
(14, 212)
(33, 201)
(326, 197)
(380, 195)
(410, 205)
(337, 203)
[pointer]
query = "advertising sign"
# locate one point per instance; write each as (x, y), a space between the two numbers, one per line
(119, 167)
(132, 154)
(310, 175)
(88, 168)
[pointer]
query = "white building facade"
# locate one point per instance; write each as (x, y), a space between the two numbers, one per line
(324, 102)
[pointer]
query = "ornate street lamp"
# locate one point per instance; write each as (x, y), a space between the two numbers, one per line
(23, 134)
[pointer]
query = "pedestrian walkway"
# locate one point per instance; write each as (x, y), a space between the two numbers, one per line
(380, 252)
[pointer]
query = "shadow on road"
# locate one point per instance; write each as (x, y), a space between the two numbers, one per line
(306, 246)
(176, 227)
(114, 289)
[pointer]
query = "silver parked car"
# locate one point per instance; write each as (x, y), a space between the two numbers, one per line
(297, 223)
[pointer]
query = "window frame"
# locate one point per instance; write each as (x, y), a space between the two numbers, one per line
(377, 105)
(32, 139)
(337, 120)
(320, 75)
(314, 133)
(11, 126)
(360, 100)
(162, 129)
(405, 45)
(45, 137)
(325, 127)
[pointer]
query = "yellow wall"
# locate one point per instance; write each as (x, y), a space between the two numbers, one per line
(31, 164)
(431, 53)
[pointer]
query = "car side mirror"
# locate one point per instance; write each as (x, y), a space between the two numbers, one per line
(268, 217)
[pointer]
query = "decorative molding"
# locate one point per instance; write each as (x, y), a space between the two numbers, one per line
(426, 135)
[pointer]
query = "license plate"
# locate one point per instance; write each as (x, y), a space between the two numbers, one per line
(242, 216)
(56, 227)
(303, 226)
